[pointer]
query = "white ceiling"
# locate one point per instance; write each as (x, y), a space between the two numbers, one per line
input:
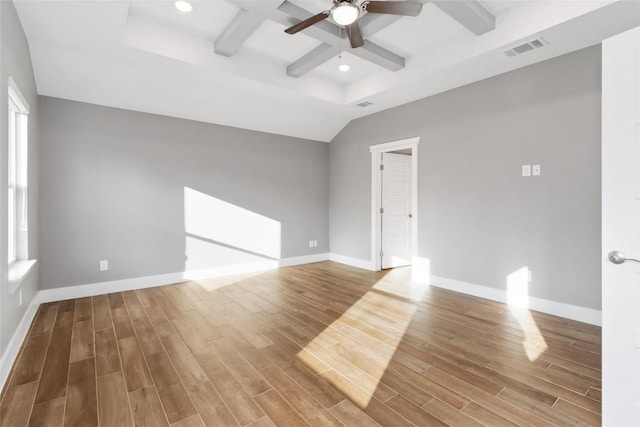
(147, 56)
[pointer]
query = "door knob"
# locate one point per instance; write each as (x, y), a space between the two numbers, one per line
(618, 257)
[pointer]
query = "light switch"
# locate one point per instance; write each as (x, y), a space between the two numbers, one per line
(536, 170)
(526, 170)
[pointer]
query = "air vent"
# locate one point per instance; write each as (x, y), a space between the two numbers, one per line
(526, 47)
(364, 104)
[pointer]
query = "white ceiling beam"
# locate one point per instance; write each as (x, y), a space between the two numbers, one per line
(469, 13)
(318, 56)
(237, 32)
(325, 33)
(379, 55)
(371, 23)
(331, 35)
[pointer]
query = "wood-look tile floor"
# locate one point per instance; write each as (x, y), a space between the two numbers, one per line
(320, 344)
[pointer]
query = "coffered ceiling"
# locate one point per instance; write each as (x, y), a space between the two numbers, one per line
(231, 63)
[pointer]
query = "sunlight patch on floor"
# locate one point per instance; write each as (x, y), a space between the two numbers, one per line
(211, 280)
(357, 370)
(400, 282)
(533, 343)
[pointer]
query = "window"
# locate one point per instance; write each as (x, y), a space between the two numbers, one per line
(17, 233)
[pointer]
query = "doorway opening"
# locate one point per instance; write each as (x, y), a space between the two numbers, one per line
(394, 203)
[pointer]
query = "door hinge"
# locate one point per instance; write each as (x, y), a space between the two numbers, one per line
(381, 167)
(381, 210)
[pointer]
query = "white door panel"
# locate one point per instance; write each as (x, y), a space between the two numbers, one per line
(397, 165)
(398, 187)
(398, 247)
(621, 229)
(396, 205)
(398, 228)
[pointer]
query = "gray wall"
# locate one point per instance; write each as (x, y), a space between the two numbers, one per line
(113, 183)
(479, 219)
(15, 61)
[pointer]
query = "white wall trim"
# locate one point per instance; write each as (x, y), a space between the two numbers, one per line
(353, 262)
(376, 160)
(568, 311)
(93, 289)
(16, 95)
(395, 145)
(305, 259)
(13, 348)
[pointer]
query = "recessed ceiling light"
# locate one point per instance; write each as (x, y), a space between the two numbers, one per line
(343, 67)
(183, 6)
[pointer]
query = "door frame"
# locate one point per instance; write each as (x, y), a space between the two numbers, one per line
(376, 183)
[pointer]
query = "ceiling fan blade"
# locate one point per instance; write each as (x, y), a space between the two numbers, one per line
(406, 8)
(308, 22)
(355, 35)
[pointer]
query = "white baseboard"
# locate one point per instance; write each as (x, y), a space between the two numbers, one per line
(13, 348)
(305, 259)
(353, 262)
(93, 289)
(568, 311)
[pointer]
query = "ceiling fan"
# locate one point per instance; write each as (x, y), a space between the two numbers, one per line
(347, 12)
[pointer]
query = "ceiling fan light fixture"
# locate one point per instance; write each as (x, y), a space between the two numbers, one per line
(345, 13)
(183, 6)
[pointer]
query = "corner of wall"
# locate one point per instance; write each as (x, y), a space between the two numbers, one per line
(15, 61)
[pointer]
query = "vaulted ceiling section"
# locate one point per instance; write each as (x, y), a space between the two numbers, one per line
(231, 63)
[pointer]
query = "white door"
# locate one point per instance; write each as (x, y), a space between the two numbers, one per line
(396, 210)
(621, 229)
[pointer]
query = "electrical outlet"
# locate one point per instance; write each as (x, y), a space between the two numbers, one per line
(104, 265)
(310, 243)
(526, 170)
(536, 170)
(315, 243)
